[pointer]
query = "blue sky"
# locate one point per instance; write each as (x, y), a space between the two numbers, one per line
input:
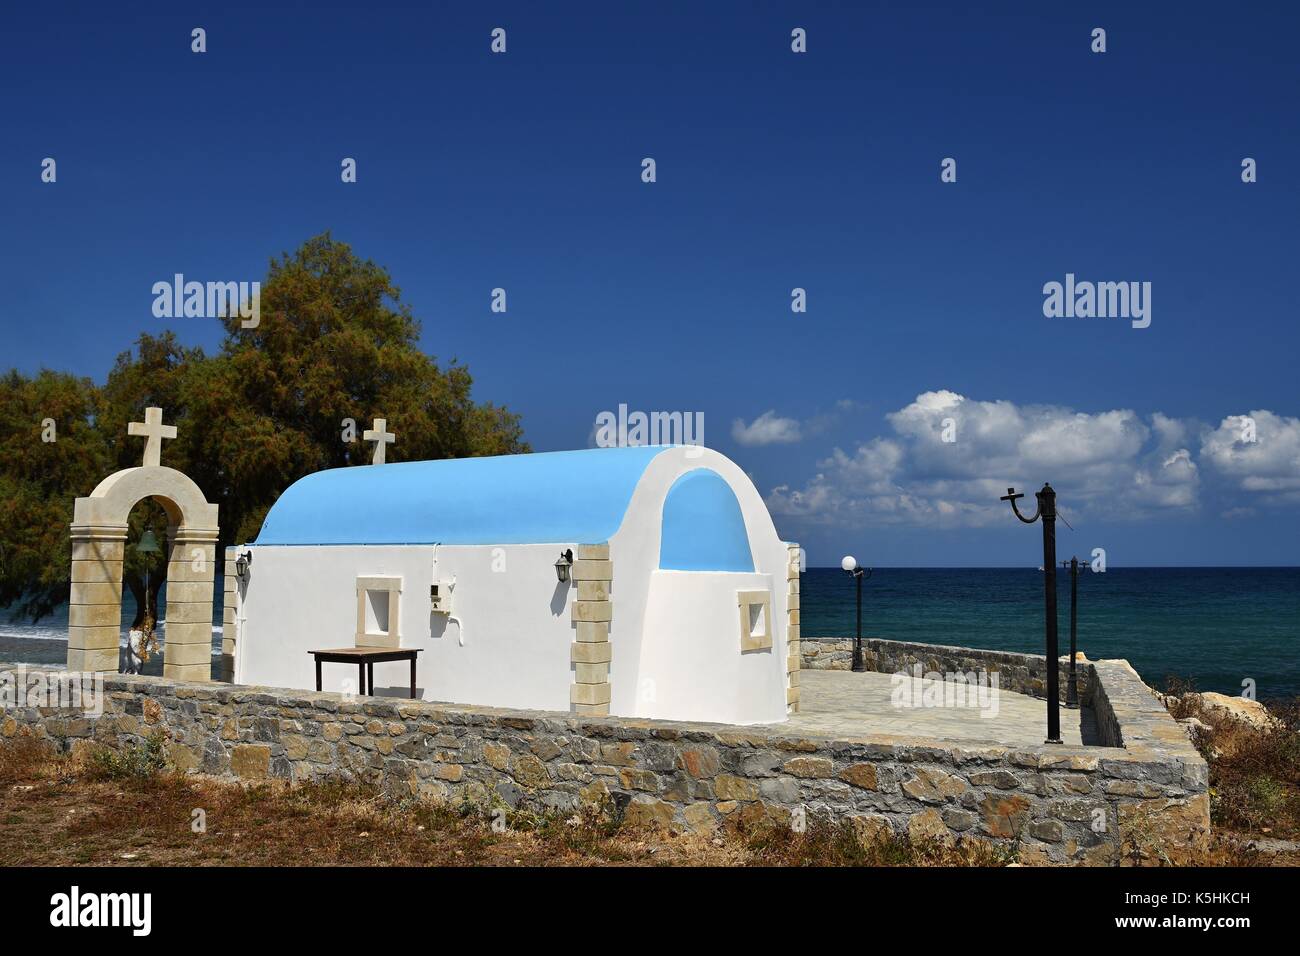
(775, 170)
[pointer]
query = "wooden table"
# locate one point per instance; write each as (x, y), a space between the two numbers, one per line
(365, 658)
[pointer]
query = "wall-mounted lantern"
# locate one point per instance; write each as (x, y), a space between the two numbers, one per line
(243, 563)
(563, 563)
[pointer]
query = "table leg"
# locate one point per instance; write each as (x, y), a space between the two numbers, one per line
(412, 677)
(370, 676)
(361, 672)
(318, 673)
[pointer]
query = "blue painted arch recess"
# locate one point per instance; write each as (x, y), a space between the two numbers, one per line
(703, 527)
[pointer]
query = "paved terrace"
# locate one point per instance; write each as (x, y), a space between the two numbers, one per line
(845, 705)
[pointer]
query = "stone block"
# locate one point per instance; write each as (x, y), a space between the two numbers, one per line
(585, 570)
(589, 632)
(251, 761)
(174, 653)
(928, 827)
(188, 592)
(728, 787)
(934, 786)
(809, 767)
(183, 612)
(94, 615)
(94, 659)
(589, 693)
(592, 710)
(99, 549)
(186, 569)
(591, 673)
(105, 593)
(593, 611)
(195, 632)
(591, 653)
(187, 672)
(592, 552)
(861, 775)
(96, 572)
(95, 638)
(593, 590)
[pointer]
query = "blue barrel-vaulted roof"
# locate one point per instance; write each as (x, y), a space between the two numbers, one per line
(565, 496)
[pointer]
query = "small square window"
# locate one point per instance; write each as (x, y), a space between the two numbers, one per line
(755, 620)
(378, 612)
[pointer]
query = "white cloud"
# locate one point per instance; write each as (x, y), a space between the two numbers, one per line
(1109, 463)
(1268, 466)
(767, 429)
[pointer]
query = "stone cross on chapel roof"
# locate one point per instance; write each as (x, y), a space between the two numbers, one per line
(382, 438)
(154, 432)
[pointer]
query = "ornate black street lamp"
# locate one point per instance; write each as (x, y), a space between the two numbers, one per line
(1047, 511)
(850, 564)
(1072, 684)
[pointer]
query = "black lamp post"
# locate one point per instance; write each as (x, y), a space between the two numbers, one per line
(1047, 511)
(1072, 684)
(850, 564)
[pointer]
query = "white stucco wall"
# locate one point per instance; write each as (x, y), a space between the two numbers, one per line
(690, 665)
(507, 645)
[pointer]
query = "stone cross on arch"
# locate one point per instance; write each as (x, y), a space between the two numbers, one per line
(154, 431)
(381, 436)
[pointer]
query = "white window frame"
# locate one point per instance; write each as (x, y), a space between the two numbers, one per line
(393, 636)
(749, 641)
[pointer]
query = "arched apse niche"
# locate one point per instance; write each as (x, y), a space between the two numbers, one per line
(703, 528)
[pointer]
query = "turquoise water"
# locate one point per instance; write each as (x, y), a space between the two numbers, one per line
(1216, 625)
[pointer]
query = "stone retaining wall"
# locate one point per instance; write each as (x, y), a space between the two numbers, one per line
(1046, 804)
(1020, 673)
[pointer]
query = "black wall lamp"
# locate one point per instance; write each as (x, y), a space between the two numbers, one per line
(563, 563)
(242, 565)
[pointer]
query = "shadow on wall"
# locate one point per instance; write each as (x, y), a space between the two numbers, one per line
(560, 598)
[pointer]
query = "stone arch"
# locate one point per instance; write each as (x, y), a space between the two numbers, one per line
(99, 528)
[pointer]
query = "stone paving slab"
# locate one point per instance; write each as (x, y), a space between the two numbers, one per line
(846, 705)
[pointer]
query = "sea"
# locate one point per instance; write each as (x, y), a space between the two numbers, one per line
(1217, 627)
(1224, 629)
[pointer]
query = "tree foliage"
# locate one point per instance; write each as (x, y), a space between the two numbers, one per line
(334, 342)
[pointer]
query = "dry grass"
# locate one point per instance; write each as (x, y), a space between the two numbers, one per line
(1254, 773)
